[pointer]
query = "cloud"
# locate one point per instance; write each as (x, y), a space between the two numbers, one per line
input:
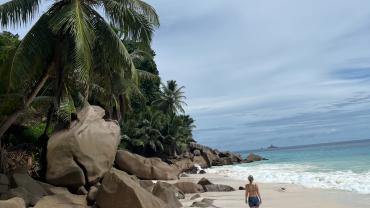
(264, 72)
(301, 64)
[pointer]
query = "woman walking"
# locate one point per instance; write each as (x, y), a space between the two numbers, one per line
(252, 194)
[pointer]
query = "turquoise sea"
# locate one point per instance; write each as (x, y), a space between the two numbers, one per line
(342, 166)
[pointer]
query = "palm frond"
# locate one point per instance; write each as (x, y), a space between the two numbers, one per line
(73, 20)
(144, 75)
(140, 55)
(66, 106)
(136, 19)
(18, 12)
(38, 44)
(144, 8)
(115, 53)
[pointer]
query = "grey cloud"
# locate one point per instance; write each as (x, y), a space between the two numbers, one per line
(255, 61)
(268, 71)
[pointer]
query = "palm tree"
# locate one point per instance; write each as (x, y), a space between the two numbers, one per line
(116, 96)
(143, 132)
(70, 43)
(171, 98)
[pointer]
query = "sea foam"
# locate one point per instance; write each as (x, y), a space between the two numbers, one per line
(304, 175)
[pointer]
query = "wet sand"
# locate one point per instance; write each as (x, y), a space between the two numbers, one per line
(294, 196)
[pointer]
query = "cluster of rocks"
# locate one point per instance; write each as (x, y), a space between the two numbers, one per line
(84, 169)
(203, 185)
(203, 157)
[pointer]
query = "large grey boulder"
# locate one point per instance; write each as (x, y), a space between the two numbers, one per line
(20, 192)
(25, 181)
(53, 190)
(196, 152)
(189, 187)
(167, 192)
(26, 188)
(91, 196)
(218, 188)
(145, 168)
(15, 202)
(118, 190)
(85, 151)
(222, 161)
(147, 184)
(201, 161)
(183, 164)
(204, 181)
(253, 158)
(62, 201)
(208, 186)
(209, 157)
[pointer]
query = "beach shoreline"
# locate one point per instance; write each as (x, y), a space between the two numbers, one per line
(274, 197)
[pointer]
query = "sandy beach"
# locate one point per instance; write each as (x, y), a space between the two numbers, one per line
(294, 196)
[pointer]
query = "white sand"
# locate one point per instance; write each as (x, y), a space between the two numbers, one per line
(273, 197)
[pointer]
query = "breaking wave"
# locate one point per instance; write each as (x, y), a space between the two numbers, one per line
(305, 175)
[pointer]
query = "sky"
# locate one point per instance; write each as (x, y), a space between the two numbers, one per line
(262, 72)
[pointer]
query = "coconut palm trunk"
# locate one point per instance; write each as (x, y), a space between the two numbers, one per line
(29, 99)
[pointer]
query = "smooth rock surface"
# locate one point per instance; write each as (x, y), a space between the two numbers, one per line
(87, 147)
(20, 192)
(253, 158)
(147, 184)
(118, 190)
(167, 193)
(145, 168)
(15, 202)
(189, 187)
(91, 196)
(209, 156)
(62, 201)
(218, 188)
(29, 184)
(204, 181)
(52, 190)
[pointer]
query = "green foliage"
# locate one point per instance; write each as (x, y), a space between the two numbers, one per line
(105, 61)
(152, 132)
(171, 98)
(8, 46)
(26, 134)
(18, 12)
(74, 48)
(33, 132)
(144, 61)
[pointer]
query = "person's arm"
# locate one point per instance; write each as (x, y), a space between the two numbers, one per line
(246, 192)
(258, 193)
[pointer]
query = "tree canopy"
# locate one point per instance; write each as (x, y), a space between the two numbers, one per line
(73, 55)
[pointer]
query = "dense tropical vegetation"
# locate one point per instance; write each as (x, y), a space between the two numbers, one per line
(72, 56)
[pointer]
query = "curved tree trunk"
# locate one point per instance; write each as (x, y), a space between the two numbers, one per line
(55, 62)
(122, 108)
(27, 102)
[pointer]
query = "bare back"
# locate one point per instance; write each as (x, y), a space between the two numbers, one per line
(252, 189)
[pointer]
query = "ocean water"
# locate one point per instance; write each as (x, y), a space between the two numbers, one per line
(342, 166)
